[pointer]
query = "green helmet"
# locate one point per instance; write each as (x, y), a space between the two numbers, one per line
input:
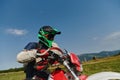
(46, 35)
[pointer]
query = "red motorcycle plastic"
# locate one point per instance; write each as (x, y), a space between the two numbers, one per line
(68, 66)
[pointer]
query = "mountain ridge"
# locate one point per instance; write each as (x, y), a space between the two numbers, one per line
(102, 54)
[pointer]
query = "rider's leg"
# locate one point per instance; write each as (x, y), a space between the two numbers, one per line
(42, 74)
(29, 70)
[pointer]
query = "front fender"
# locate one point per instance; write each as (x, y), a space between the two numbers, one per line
(105, 76)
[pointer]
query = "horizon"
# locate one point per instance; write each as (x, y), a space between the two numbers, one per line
(77, 55)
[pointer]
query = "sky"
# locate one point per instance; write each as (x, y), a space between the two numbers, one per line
(87, 26)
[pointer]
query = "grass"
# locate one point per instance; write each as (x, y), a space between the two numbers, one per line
(12, 76)
(99, 65)
(90, 67)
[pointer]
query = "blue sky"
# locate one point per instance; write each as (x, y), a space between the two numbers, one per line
(86, 25)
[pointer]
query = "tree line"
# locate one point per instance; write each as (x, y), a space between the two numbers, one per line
(12, 70)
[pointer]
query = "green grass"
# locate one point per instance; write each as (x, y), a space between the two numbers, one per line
(90, 67)
(99, 65)
(12, 76)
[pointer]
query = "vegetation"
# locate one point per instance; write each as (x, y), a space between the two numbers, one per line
(12, 70)
(12, 76)
(104, 64)
(90, 67)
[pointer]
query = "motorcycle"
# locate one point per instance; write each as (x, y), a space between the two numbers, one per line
(69, 67)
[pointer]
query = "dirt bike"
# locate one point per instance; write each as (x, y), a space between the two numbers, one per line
(70, 68)
(67, 66)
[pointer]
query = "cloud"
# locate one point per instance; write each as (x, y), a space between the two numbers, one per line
(112, 40)
(16, 31)
(107, 42)
(95, 38)
(113, 36)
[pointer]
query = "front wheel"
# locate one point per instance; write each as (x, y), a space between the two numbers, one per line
(105, 76)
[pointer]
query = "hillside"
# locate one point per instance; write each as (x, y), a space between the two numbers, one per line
(105, 64)
(102, 54)
(90, 67)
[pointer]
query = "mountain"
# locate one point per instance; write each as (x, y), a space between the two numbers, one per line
(102, 54)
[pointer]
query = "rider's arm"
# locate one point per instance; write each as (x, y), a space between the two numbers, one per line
(28, 54)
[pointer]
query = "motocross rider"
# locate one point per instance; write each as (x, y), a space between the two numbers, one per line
(46, 36)
(36, 65)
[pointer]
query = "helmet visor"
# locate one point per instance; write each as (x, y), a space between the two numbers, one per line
(50, 36)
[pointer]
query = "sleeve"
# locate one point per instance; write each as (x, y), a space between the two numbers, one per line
(31, 45)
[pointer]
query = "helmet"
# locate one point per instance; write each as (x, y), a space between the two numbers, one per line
(46, 35)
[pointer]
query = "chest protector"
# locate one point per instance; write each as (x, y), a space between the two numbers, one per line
(41, 61)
